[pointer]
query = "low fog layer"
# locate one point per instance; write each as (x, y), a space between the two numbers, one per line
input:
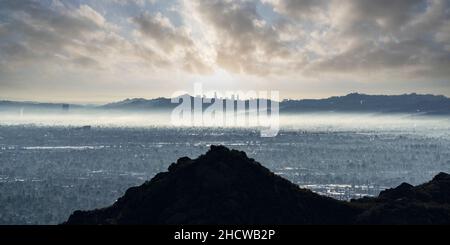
(305, 121)
(91, 118)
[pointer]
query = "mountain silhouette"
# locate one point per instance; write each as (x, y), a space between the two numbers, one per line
(355, 102)
(421, 104)
(226, 187)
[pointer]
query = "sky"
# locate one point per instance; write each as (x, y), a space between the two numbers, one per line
(95, 51)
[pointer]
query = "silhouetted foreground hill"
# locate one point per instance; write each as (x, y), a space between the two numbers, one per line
(428, 203)
(226, 187)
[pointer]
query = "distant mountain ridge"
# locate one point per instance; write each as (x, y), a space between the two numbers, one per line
(141, 104)
(407, 103)
(425, 104)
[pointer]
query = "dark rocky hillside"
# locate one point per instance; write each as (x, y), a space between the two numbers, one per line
(428, 203)
(226, 187)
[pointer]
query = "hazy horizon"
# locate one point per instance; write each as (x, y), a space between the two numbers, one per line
(87, 103)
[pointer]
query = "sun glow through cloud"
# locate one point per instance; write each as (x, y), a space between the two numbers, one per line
(98, 51)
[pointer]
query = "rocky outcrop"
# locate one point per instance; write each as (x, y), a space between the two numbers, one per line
(428, 203)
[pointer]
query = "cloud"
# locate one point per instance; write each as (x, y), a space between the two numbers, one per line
(328, 37)
(175, 42)
(160, 29)
(56, 34)
(301, 9)
(386, 15)
(80, 37)
(139, 3)
(244, 41)
(397, 37)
